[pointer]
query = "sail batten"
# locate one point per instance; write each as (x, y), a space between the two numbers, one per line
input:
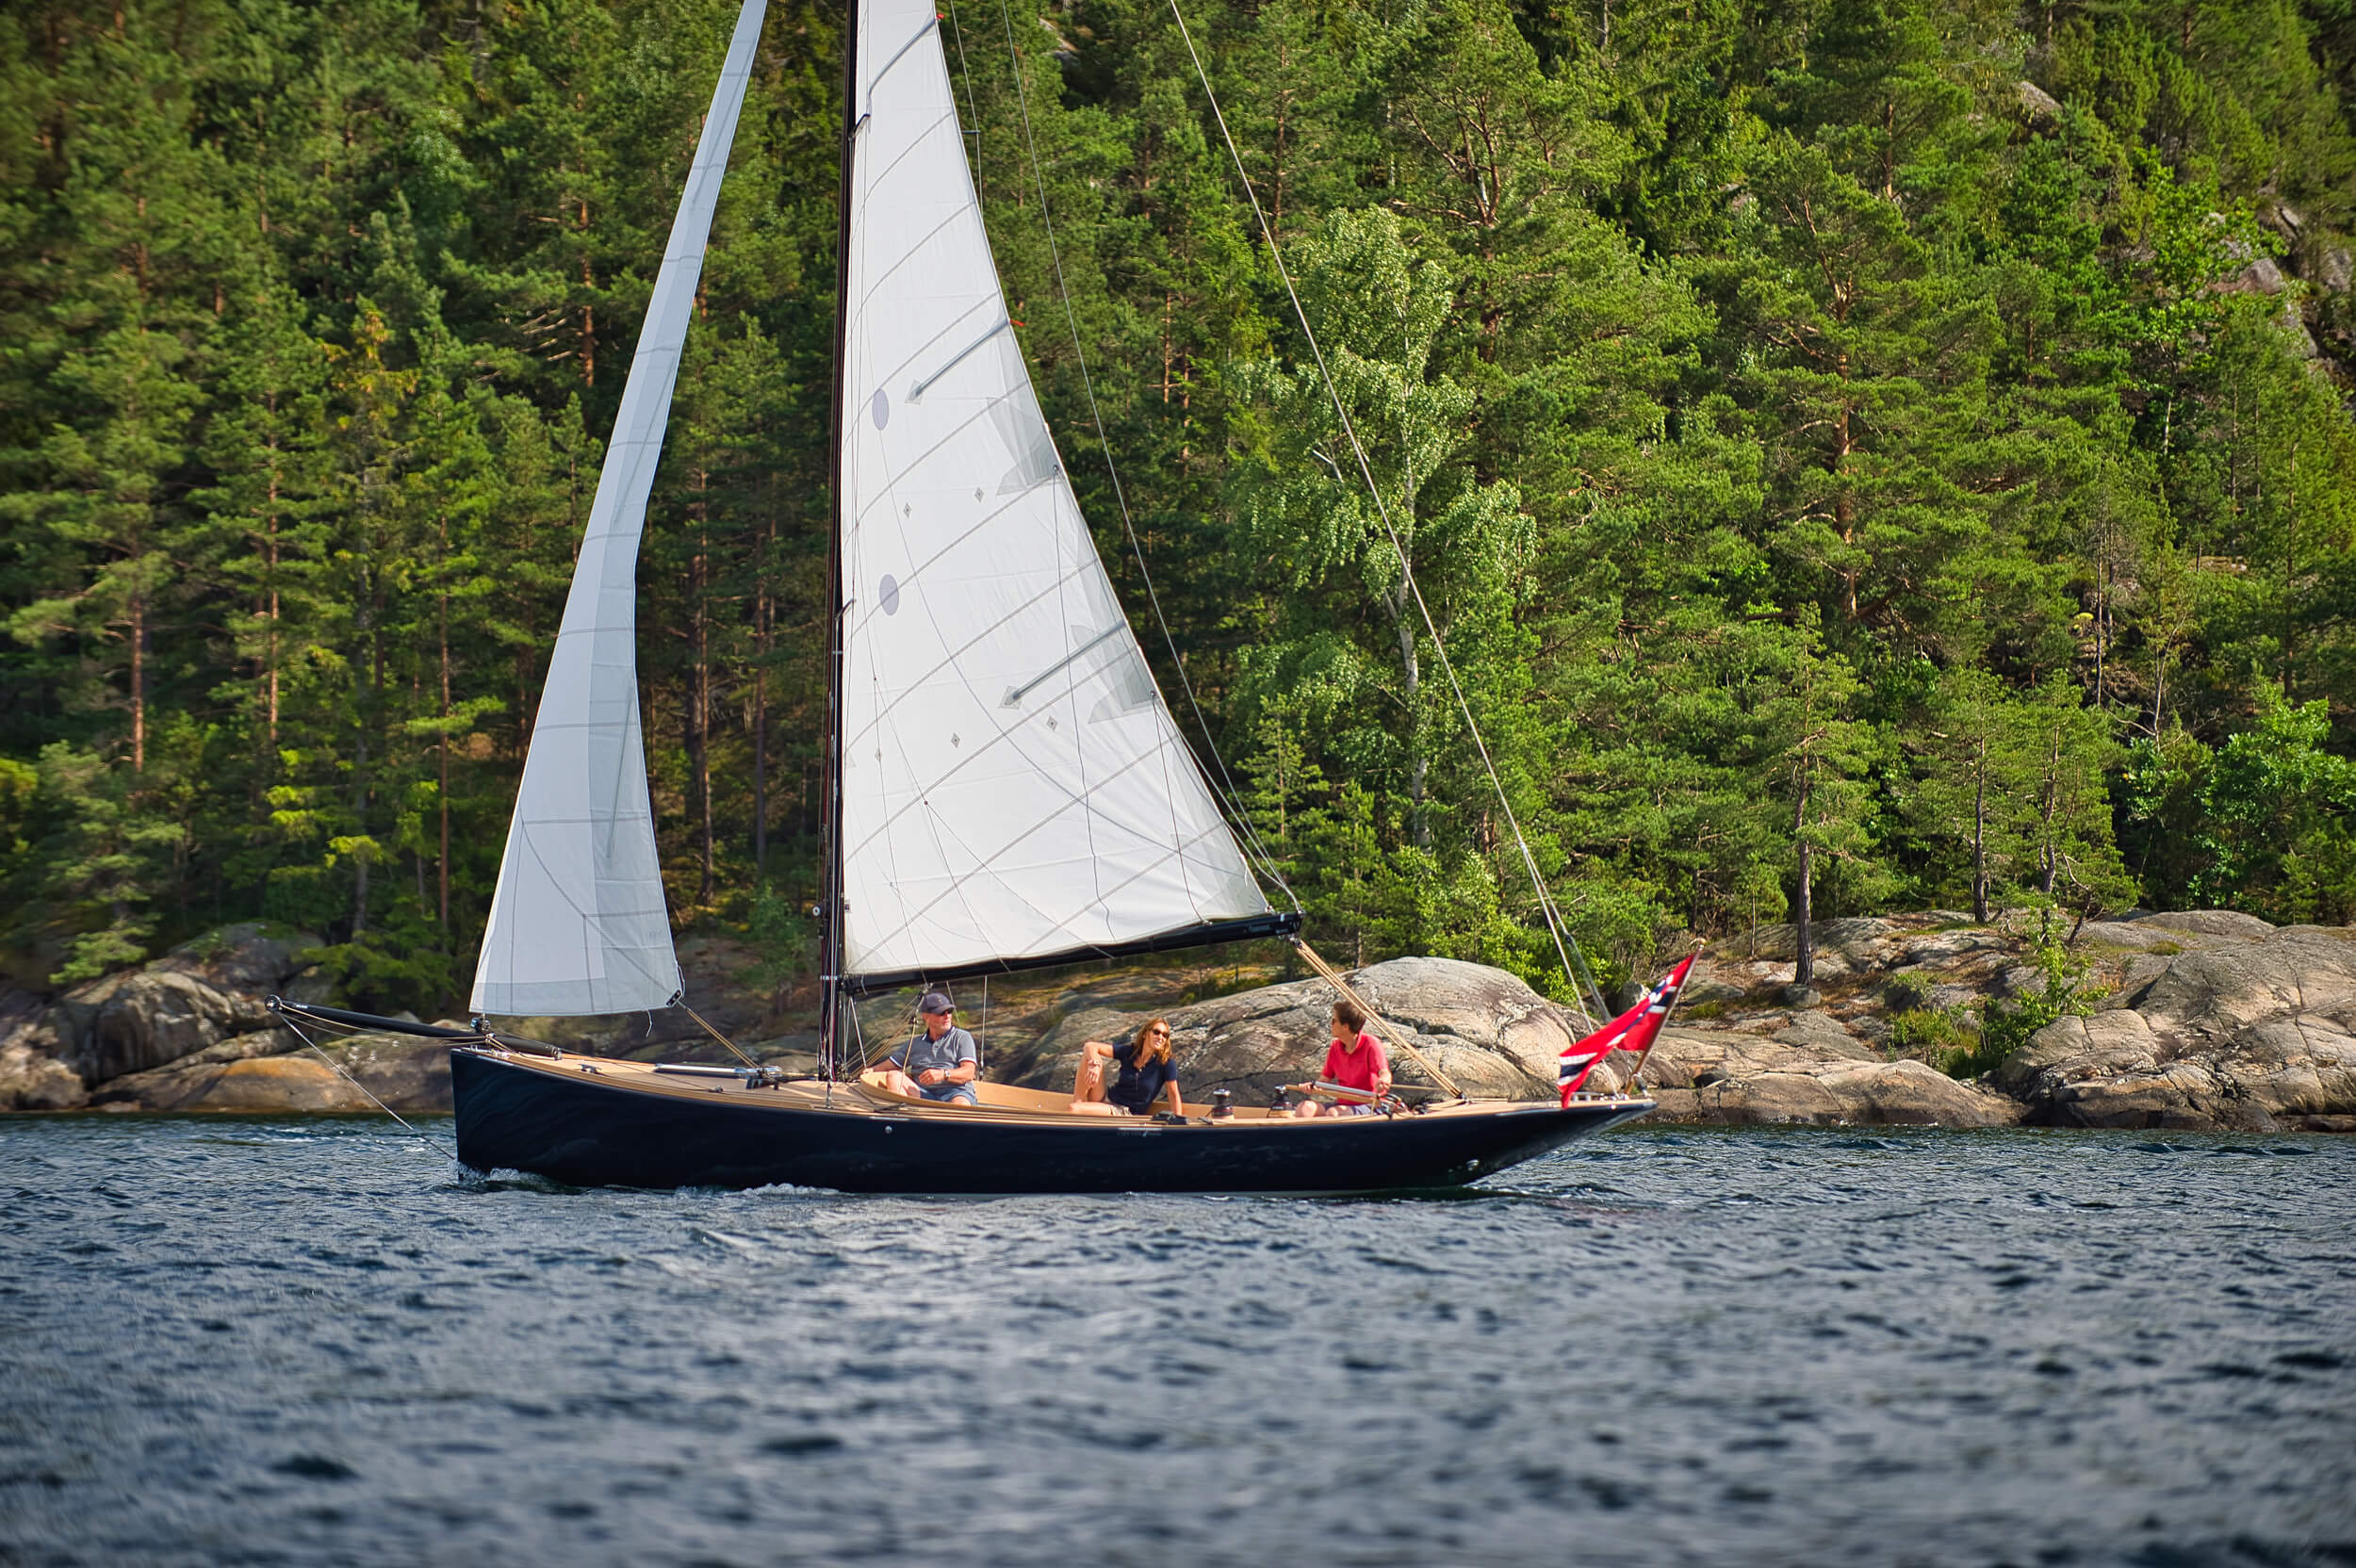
(1013, 791)
(579, 924)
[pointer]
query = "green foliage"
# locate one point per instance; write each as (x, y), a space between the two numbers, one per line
(2062, 991)
(2278, 816)
(1834, 482)
(1948, 1038)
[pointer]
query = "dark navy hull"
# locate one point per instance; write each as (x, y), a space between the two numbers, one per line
(587, 1133)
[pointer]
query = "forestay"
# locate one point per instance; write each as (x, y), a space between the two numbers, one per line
(1012, 786)
(579, 924)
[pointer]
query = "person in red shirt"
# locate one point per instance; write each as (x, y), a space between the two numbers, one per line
(1354, 1060)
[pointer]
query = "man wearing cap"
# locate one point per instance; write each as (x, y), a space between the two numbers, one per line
(943, 1058)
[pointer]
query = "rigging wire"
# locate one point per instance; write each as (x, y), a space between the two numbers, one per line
(680, 1003)
(448, 1151)
(1229, 794)
(1563, 945)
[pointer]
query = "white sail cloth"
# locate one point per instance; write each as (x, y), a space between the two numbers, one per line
(579, 924)
(1012, 785)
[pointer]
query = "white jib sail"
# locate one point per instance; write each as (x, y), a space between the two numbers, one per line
(579, 924)
(1012, 785)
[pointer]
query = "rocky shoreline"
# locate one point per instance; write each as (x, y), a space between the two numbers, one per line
(2207, 1020)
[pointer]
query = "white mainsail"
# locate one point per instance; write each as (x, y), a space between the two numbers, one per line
(578, 922)
(1012, 785)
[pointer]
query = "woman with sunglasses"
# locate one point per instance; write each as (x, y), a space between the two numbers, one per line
(1147, 1075)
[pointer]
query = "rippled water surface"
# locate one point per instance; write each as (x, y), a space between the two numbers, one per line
(305, 1342)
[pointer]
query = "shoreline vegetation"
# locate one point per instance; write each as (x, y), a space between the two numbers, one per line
(2207, 1020)
(1863, 456)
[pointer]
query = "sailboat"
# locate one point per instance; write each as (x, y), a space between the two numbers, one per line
(1006, 789)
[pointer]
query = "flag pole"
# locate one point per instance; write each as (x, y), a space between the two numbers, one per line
(1636, 1075)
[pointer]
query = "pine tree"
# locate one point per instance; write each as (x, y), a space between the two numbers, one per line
(1815, 757)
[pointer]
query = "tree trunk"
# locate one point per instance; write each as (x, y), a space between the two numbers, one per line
(360, 862)
(1979, 837)
(2049, 806)
(442, 790)
(1843, 504)
(760, 733)
(588, 311)
(1802, 940)
(269, 660)
(1410, 671)
(700, 705)
(139, 684)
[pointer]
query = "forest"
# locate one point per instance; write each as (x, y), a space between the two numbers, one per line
(1859, 454)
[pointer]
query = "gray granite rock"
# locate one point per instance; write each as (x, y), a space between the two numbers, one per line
(2257, 1034)
(2134, 935)
(32, 1078)
(255, 957)
(1835, 936)
(294, 1083)
(133, 1022)
(1485, 1028)
(2218, 990)
(401, 1071)
(2210, 922)
(1825, 1033)
(1812, 1073)
(2040, 108)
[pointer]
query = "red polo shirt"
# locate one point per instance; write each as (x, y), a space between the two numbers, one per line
(1358, 1068)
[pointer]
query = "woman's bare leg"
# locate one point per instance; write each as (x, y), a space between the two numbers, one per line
(1088, 1089)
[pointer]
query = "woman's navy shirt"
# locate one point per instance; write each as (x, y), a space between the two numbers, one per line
(1138, 1089)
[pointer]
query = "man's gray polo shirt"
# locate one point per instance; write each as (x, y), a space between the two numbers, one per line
(925, 1053)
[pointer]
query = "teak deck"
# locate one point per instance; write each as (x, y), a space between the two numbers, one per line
(866, 1095)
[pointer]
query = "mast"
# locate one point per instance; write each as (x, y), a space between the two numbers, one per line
(830, 768)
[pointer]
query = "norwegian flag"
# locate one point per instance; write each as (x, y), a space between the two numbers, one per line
(1633, 1030)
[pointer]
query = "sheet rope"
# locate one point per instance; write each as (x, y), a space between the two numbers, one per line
(1332, 977)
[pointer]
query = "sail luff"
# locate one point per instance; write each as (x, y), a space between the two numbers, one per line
(1012, 786)
(579, 924)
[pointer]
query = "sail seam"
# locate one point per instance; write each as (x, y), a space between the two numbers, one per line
(916, 250)
(916, 144)
(1071, 798)
(884, 709)
(983, 865)
(1054, 924)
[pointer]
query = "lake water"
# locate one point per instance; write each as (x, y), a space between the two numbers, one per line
(303, 1341)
